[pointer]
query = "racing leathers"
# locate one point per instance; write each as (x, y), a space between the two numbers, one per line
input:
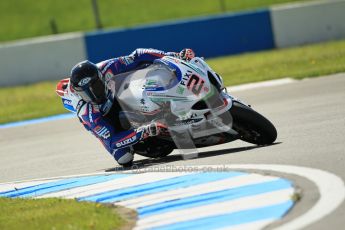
(103, 120)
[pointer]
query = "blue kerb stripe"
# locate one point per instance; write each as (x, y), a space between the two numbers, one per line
(30, 189)
(61, 185)
(159, 186)
(11, 190)
(214, 197)
(232, 219)
(38, 120)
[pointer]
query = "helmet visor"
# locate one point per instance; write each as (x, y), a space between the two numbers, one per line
(93, 92)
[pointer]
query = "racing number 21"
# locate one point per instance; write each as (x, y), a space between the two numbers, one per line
(194, 85)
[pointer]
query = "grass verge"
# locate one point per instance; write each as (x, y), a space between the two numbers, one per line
(28, 102)
(33, 18)
(297, 62)
(56, 214)
(40, 100)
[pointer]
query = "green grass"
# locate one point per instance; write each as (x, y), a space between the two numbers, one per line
(28, 18)
(298, 62)
(27, 102)
(39, 100)
(56, 214)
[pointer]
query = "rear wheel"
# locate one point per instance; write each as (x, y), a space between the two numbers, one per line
(252, 126)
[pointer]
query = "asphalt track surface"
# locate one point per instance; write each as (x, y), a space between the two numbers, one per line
(309, 116)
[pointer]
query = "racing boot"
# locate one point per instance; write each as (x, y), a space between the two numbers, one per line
(124, 157)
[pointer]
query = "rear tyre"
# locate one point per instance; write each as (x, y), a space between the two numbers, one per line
(252, 126)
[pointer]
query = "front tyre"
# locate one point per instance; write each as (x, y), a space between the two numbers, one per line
(252, 126)
(154, 148)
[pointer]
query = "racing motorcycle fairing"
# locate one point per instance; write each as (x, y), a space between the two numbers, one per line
(170, 80)
(183, 95)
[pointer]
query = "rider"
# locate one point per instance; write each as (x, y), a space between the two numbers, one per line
(99, 112)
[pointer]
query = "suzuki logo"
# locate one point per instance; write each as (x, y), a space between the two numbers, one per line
(127, 141)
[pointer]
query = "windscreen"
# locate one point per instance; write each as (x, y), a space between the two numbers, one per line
(161, 76)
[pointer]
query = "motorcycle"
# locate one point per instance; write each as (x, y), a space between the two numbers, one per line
(190, 99)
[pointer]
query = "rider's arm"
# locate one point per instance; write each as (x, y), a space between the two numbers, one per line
(94, 122)
(133, 61)
(149, 55)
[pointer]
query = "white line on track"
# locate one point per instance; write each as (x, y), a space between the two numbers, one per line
(262, 84)
(251, 226)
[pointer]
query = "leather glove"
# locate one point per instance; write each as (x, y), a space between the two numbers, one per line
(153, 129)
(187, 54)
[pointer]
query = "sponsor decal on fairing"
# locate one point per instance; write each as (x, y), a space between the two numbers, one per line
(185, 77)
(180, 90)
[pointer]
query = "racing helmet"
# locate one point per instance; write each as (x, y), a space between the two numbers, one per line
(86, 80)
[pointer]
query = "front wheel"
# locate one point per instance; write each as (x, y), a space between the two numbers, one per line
(154, 148)
(252, 126)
